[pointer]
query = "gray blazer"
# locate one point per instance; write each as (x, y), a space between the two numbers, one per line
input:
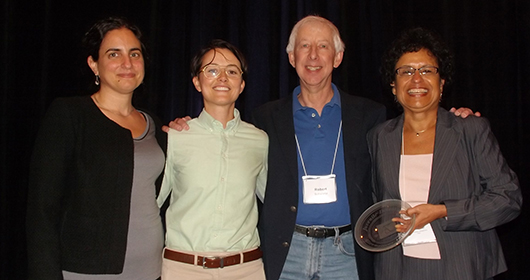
(473, 180)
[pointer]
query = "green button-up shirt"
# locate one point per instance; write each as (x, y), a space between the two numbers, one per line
(214, 174)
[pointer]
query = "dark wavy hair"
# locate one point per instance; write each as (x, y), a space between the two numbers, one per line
(413, 40)
(94, 36)
(196, 61)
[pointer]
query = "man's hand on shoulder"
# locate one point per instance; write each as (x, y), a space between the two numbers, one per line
(178, 124)
(463, 112)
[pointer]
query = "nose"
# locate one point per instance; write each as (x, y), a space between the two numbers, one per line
(313, 53)
(416, 76)
(126, 62)
(222, 75)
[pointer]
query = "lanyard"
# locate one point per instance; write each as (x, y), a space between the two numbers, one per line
(334, 156)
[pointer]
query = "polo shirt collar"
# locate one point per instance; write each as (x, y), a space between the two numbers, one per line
(335, 100)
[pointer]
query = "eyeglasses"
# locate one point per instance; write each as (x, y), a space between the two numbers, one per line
(212, 71)
(407, 71)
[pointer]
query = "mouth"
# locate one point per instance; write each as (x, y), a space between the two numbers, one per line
(313, 68)
(417, 91)
(221, 88)
(127, 75)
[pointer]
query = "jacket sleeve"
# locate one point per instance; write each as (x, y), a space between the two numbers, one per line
(500, 198)
(51, 161)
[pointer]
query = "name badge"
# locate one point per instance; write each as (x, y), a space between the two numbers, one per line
(319, 189)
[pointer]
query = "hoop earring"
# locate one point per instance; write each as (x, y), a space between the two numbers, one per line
(97, 80)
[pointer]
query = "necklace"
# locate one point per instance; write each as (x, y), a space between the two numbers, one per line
(421, 131)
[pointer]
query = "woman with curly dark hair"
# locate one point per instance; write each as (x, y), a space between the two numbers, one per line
(449, 169)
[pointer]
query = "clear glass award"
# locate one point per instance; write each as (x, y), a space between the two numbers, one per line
(375, 229)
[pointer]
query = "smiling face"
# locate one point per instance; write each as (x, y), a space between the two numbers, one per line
(221, 90)
(418, 93)
(121, 63)
(314, 55)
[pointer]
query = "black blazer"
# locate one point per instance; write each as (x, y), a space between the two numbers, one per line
(80, 191)
(278, 213)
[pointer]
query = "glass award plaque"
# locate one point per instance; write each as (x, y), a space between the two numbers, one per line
(376, 232)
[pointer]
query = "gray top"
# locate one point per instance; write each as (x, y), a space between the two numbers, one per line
(143, 259)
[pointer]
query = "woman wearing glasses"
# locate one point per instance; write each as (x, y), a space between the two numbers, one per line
(449, 169)
(214, 171)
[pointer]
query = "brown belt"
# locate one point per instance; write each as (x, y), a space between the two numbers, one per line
(212, 261)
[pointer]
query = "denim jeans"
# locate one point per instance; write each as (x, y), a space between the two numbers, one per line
(331, 258)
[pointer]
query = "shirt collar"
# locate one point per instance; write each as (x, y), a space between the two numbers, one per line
(212, 124)
(335, 100)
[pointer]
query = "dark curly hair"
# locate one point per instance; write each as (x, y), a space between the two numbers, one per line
(94, 36)
(196, 61)
(413, 40)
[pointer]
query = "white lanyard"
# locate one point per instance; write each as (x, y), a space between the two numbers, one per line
(319, 189)
(334, 156)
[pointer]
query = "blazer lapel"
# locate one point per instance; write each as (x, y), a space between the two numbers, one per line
(446, 140)
(390, 152)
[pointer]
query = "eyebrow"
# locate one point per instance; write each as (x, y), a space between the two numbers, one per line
(117, 50)
(221, 65)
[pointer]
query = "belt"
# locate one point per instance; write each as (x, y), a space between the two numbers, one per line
(212, 261)
(320, 232)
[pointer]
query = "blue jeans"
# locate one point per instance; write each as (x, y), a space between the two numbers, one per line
(331, 258)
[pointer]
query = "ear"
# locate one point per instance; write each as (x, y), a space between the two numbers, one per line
(242, 86)
(93, 65)
(338, 59)
(197, 83)
(442, 83)
(393, 85)
(291, 59)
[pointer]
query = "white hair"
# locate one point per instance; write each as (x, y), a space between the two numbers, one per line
(337, 41)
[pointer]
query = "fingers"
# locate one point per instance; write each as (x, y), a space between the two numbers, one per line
(464, 112)
(179, 124)
(402, 225)
(165, 128)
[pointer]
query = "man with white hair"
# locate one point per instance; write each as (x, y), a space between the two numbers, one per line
(319, 166)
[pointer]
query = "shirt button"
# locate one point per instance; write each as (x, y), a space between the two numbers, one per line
(319, 126)
(293, 208)
(313, 115)
(285, 244)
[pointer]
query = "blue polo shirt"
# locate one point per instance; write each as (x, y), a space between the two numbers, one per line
(317, 138)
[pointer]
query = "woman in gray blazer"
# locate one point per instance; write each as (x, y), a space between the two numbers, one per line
(449, 169)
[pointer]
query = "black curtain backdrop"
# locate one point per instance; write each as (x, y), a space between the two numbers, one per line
(40, 59)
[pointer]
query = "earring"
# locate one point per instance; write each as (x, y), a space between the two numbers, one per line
(97, 80)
